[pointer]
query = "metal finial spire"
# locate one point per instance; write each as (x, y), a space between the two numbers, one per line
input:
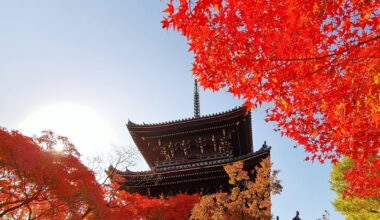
(197, 108)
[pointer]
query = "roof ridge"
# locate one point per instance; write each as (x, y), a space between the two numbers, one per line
(197, 164)
(133, 124)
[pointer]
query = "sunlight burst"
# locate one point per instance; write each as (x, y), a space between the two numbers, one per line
(85, 127)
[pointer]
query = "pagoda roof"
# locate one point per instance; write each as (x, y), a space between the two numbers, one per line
(142, 133)
(179, 122)
(186, 178)
(190, 167)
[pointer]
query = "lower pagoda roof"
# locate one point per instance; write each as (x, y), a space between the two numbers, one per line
(206, 176)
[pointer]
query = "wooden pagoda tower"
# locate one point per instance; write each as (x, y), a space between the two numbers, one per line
(188, 155)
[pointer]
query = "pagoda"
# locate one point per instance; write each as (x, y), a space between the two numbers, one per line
(188, 155)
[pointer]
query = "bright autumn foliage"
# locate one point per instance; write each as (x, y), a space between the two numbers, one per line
(317, 63)
(247, 199)
(37, 182)
(129, 206)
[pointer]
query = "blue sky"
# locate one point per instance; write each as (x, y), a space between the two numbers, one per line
(113, 59)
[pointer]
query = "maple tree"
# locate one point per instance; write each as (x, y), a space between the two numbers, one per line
(38, 182)
(351, 207)
(247, 199)
(317, 62)
(125, 205)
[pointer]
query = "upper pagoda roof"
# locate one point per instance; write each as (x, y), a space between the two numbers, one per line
(143, 134)
(235, 111)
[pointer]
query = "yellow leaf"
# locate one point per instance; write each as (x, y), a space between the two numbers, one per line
(376, 79)
(316, 67)
(284, 103)
(216, 7)
(315, 8)
(358, 103)
(323, 106)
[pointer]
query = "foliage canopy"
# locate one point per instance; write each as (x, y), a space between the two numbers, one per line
(317, 63)
(37, 182)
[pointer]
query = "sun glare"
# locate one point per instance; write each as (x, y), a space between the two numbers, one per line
(86, 128)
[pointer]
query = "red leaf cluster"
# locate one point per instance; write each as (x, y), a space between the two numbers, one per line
(316, 62)
(125, 205)
(38, 182)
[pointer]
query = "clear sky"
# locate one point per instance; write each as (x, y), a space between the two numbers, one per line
(83, 68)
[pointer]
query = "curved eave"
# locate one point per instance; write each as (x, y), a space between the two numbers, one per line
(184, 122)
(262, 153)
